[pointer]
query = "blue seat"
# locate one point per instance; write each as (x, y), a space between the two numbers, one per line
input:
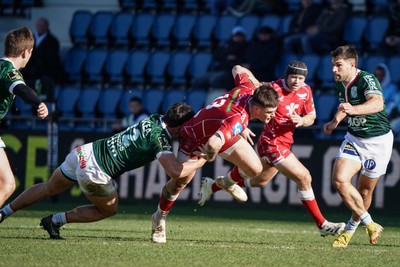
(136, 65)
(128, 4)
(156, 66)
(324, 72)
(284, 60)
(325, 105)
(78, 29)
(182, 30)
(172, 96)
(272, 21)
(162, 28)
(23, 108)
(178, 66)
(200, 64)
(203, 30)
(86, 106)
(372, 61)
(312, 62)
(293, 5)
(140, 29)
(285, 24)
(152, 99)
(393, 64)
(66, 101)
(115, 64)
(120, 26)
(99, 28)
(126, 97)
(223, 29)
(354, 30)
(108, 101)
(93, 67)
(197, 99)
(375, 31)
(73, 63)
(249, 24)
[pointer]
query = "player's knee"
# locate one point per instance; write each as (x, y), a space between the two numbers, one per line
(7, 188)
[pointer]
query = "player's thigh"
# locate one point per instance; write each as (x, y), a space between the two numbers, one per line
(6, 175)
(344, 169)
(292, 168)
(58, 182)
(245, 158)
(107, 204)
(268, 172)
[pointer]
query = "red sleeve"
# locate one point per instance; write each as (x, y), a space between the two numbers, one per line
(242, 79)
(309, 104)
(231, 127)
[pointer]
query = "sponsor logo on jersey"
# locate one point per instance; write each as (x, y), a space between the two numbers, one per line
(369, 164)
(302, 96)
(353, 91)
(81, 158)
(237, 129)
(14, 75)
(164, 143)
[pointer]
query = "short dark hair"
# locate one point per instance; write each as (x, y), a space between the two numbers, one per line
(17, 41)
(346, 52)
(177, 114)
(265, 96)
(136, 99)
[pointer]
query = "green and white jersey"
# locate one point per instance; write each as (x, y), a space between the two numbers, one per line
(138, 145)
(9, 78)
(355, 93)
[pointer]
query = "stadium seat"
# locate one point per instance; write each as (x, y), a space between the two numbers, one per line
(372, 61)
(78, 30)
(182, 29)
(223, 28)
(324, 72)
(284, 25)
(136, 65)
(196, 98)
(120, 26)
(178, 66)
(203, 30)
(393, 64)
(93, 67)
(354, 30)
(66, 101)
(99, 27)
(108, 101)
(156, 66)
(250, 24)
(74, 62)
(86, 106)
(161, 30)
(114, 65)
(272, 21)
(152, 99)
(325, 106)
(199, 64)
(284, 60)
(375, 31)
(140, 29)
(312, 62)
(212, 95)
(172, 96)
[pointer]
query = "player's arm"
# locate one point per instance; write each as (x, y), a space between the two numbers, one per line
(176, 169)
(374, 104)
(330, 126)
(213, 146)
(29, 96)
(237, 69)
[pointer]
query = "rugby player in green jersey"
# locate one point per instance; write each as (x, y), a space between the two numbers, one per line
(94, 166)
(18, 47)
(367, 146)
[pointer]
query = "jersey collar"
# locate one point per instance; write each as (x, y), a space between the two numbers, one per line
(164, 127)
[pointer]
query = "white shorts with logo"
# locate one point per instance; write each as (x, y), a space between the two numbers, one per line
(373, 153)
(80, 165)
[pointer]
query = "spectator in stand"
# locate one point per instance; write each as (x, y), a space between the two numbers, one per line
(265, 46)
(301, 21)
(392, 38)
(389, 89)
(45, 63)
(219, 7)
(224, 59)
(326, 33)
(137, 113)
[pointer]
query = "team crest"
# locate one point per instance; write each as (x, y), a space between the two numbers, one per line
(369, 164)
(302, 96)
(237, 129)
(164, 142)
(353, 91)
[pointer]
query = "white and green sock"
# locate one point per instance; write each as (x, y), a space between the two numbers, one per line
(59, 218)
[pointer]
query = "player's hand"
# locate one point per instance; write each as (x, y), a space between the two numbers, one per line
(329, 127)
(347, 108)
(247, 134)
(42, 111)
(200, 152)
(297, 119)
